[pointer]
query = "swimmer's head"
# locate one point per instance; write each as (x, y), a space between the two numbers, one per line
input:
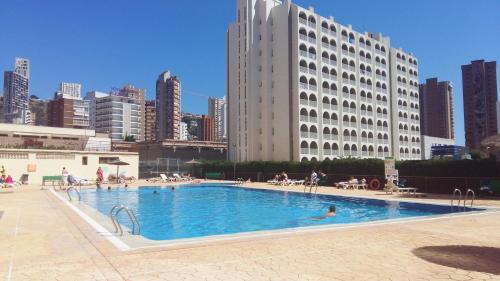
(332, 209)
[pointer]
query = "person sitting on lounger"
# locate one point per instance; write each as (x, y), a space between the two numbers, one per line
(9, 180)
(284, 178)
(331, 213)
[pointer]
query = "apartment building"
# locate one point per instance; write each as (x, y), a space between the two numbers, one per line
(69, 90)
(168, 107)
(119, 116)
(480, 96)
(206, 128)
(135, 93)
(217, 109)
(302, 87)
(68, 113)
(436, 109)
(16, 93)
(150, 121)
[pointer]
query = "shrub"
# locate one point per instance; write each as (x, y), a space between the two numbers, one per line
(428, 168)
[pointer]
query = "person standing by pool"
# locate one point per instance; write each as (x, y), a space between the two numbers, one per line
(3, 173)
(100, 177)
(65, 175)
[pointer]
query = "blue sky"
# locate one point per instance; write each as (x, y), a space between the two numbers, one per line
(104, 44)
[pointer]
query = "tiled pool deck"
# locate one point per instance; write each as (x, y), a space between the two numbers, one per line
(42, 239)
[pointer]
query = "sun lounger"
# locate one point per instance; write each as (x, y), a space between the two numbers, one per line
(390, 187)
(296, 182)
(164, 178)
(178, 177)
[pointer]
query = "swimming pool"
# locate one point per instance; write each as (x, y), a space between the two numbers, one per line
(216, 209)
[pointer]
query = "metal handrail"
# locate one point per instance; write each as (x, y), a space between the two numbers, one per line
(77, 192)
(131, 215)
(459, 196)
(112, 218)
(467, 196)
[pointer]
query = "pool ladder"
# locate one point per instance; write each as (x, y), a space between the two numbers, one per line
(77, 192)
(113, 214)
(459, 192)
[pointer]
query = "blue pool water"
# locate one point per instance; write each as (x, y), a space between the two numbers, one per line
(205, 210)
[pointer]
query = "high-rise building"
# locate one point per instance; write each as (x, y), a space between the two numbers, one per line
(498, 116)
(117, 115)
(304, 87)
(69, 91)
(22, 67)
(436, 109)
(480, 100)
(150, 121)
(206, 128)
(217, 109)
(1, 108)
(168, 107)
(16, 92)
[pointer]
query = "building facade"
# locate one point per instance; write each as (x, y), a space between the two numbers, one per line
(429, 142)
(92, 97)
(184, 131)
(16, 93)
(150, 121)
(119, 116)
(436, 109)
(498, 116)
(206, 128)
(69, 91)
(68, 113)
(168, 107)
(304, 87)
(480, 96)
(135, 93)
(217, 109)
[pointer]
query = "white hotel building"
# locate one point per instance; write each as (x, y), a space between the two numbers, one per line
(304, 87)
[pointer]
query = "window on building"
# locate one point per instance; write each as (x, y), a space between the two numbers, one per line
(107, 160)
(85, 160)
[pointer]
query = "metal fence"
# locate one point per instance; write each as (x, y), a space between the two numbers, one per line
(437, 185)
(167, 166)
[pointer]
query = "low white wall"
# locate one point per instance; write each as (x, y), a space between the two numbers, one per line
(51, 162)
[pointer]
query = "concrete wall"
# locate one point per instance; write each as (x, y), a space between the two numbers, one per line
(50, 163)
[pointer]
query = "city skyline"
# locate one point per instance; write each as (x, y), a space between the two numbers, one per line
(207, 78)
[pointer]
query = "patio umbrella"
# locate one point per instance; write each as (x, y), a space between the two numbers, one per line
(118, 163)
(194, 163)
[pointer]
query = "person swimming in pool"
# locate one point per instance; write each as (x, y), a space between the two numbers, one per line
(331, 213)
